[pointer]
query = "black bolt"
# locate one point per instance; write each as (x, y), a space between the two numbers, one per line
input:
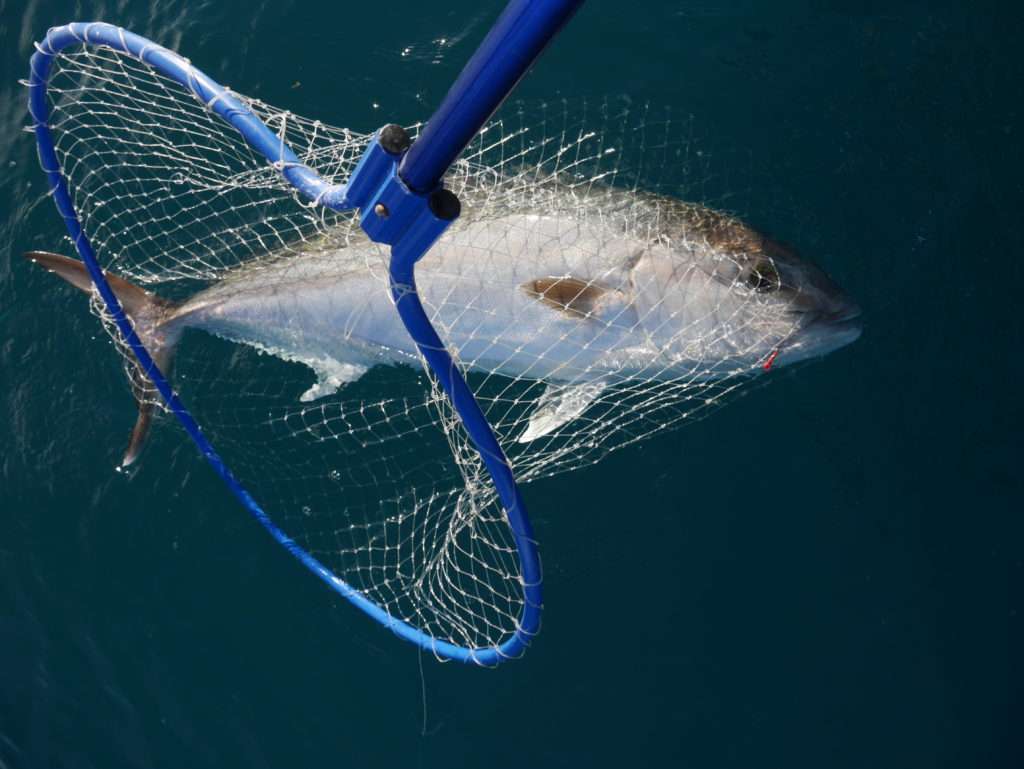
(444, 204)
(394, 139)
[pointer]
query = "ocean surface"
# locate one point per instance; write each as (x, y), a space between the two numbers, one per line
(826, 573)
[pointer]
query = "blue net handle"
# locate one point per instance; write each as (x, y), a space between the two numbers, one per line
(405, 252)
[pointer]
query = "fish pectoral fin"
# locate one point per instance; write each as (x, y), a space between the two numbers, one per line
(559, 405)
(330, 375)
(573, 296)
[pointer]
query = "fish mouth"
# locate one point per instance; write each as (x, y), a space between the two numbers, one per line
(823, 332)
(841, 315)
(845, 320)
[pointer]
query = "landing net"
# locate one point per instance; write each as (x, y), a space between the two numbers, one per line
(364, 463)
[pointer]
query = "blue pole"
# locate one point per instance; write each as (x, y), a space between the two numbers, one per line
(515, 41)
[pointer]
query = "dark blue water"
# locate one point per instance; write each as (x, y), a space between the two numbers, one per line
(825, 573)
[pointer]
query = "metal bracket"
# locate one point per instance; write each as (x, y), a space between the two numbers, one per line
(389, 211)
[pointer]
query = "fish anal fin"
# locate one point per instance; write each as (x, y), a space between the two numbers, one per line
(559, 405)
(330, 375)
(572, 296)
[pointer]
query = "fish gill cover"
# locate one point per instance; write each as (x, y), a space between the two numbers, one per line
(586, 310)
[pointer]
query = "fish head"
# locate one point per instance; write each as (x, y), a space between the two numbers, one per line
(790, 309)
(723, 299)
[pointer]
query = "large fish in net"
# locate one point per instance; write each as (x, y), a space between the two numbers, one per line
(586, 310)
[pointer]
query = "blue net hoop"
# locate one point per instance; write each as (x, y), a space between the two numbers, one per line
(406, 249)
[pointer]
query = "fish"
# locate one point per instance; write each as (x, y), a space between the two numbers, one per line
(580, 298)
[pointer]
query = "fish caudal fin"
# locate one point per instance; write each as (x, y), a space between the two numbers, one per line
(147, 313)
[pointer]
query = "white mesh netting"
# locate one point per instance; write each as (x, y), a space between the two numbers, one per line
(585, 313)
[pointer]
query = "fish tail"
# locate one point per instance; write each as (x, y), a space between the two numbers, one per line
(149, 315)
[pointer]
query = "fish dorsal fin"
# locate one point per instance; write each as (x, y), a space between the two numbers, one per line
(570, 295)
(559, 405)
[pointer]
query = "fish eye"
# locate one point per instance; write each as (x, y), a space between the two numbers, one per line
(763, 276)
